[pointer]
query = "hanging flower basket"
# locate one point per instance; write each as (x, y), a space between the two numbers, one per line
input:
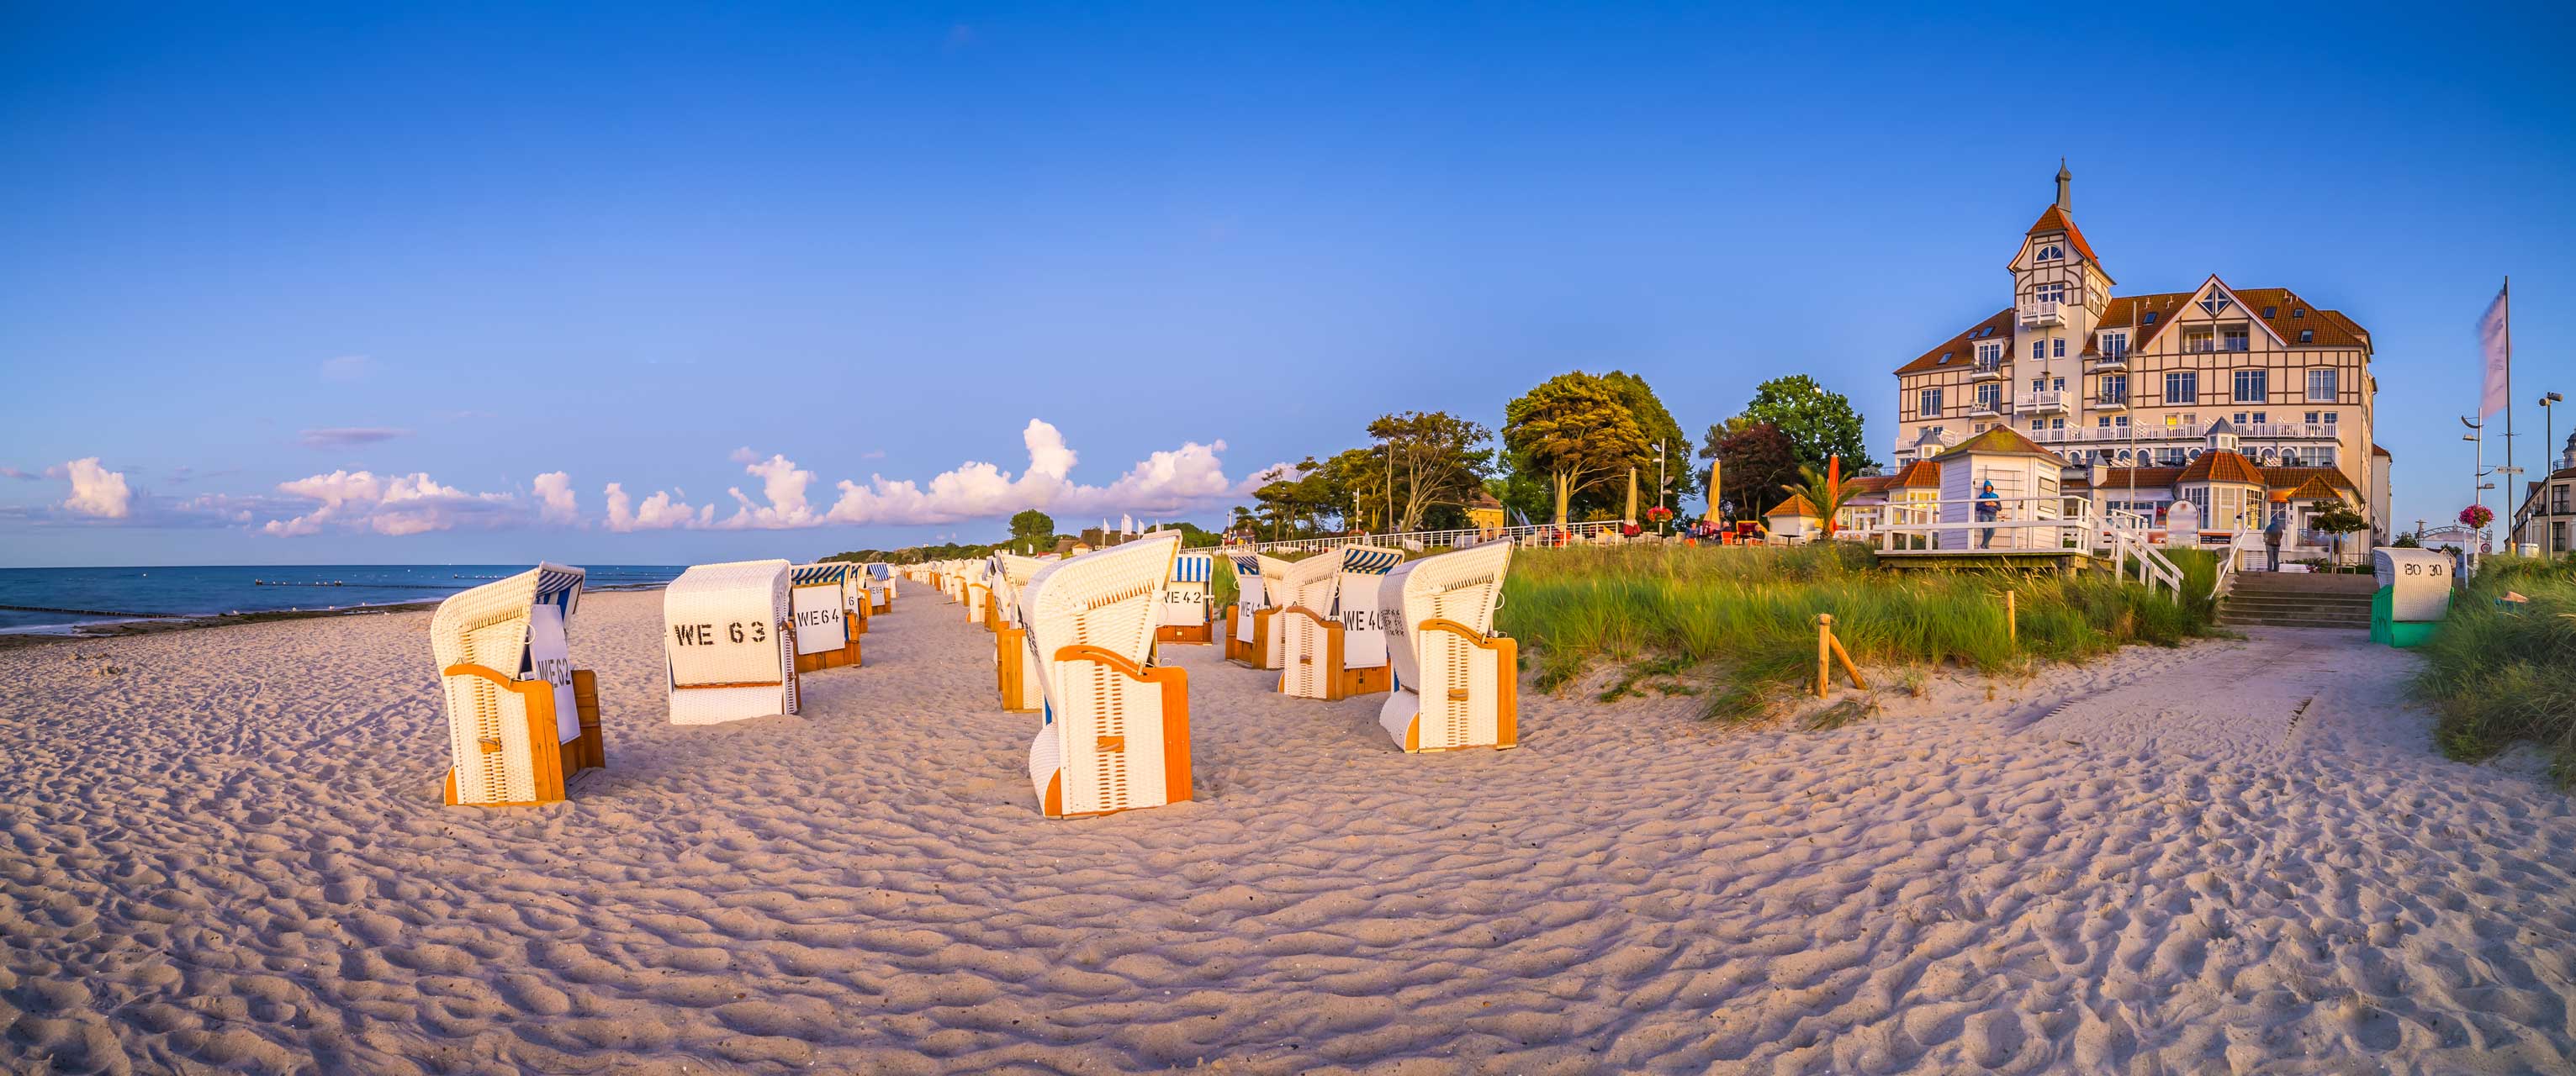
(2477, 515)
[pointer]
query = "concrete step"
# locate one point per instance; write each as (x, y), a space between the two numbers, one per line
(2295, 622)
(2304, 601)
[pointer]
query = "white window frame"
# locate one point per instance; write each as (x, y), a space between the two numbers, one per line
(2189, 380)
(2333, 383)
(2260, 380)
(1927, 404)
(2115, 345)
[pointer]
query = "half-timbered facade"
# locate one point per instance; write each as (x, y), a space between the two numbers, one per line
(2138, 380)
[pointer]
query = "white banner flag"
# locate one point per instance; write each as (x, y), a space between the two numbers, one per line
(2495, 345)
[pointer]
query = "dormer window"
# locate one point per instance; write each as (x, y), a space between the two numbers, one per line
(2052, 253)
(2307, 336)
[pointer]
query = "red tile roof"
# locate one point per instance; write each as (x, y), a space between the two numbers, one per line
(2316, 488)
(1920, 474)
(1796, 505)
(2292, 478)
(1961, 351)
(2222, 466)
(2054, 219)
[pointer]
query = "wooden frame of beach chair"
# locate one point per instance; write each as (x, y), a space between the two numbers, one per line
(521, 721)
(1260, 585)
(818, 600)
(729, 642)
(1116, 735)
(1457, 682)
(1333, 641)
(1184, 615)
(854, 599)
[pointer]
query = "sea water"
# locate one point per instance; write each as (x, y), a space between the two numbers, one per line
(57, 598)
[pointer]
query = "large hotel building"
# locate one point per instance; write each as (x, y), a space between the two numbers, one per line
(2149, 399)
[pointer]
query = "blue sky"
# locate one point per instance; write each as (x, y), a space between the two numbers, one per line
(272, 265)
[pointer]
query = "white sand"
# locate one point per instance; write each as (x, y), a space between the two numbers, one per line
(233, 854)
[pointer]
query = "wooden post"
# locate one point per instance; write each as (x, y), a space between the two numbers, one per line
(1830, 649)
(2012, 618)
(1824, 649)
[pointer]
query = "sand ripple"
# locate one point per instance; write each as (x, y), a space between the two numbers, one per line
(232, 854)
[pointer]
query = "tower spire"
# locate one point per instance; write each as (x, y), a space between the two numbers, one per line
(2065, 179)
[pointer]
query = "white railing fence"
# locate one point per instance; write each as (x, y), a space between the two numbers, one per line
(1464, 536)
(2025, 525)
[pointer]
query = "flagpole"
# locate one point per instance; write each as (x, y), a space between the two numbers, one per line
(2512, 473)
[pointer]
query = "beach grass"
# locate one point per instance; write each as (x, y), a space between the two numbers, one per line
(1746, 616)
(2500, 672)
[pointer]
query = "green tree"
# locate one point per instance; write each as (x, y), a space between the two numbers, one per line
(1577, 431)
(1425, 459)
(1033, 529)
(1817, 423)
(1660, 429)
(1757, 459)
(1826, 496)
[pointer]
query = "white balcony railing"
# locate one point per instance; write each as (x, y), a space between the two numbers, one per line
(2040, 401)
(2111, 362)
(1987, 371)
(2042, 312)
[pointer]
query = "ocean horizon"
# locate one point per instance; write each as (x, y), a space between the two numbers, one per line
(59, 599)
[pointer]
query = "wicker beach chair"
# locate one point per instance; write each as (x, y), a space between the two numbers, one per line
(880, 584)
(729, 643)
(1456, 681)
(1184, 617)
(827, 634)
(1332, 641)
(1015, 665)
(1260, 584)
(521, 721)
(1116, 732)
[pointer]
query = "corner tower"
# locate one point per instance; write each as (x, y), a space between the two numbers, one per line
(2059, 293)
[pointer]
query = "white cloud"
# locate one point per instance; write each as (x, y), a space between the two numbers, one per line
(23, 476)
(347, 367)
(555, 501)
(97, 492)
(391, 504)
(744, 455)
(658, 512)
(783, 485)
(350, 436)
(1166, 482)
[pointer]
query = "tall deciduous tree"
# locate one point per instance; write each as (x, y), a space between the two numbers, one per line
(1575, 429)
(1660, 428)
(1033, 526)
(1429, 458)
(1758, 460)
(1817, 423)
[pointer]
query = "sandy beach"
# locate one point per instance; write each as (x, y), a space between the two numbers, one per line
(229, 852)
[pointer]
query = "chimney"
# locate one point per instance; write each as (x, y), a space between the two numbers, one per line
(2065, 179)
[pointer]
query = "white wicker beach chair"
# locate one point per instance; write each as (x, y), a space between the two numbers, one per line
(1261, 588)
(1015, 665)
(1336, 647)
(1457, 683)
(1116, 732)
(521, 721)
(880, 584)
(827, 634)
(1185, 602)
(728, 642)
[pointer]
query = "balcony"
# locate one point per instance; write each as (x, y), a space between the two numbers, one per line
(2043, 312)
(1986, 407)
(1987, 371)
(2111, 363)
(2111, 401)
(2041, 403)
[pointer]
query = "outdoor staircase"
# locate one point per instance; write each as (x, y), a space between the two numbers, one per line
(2298, 600)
